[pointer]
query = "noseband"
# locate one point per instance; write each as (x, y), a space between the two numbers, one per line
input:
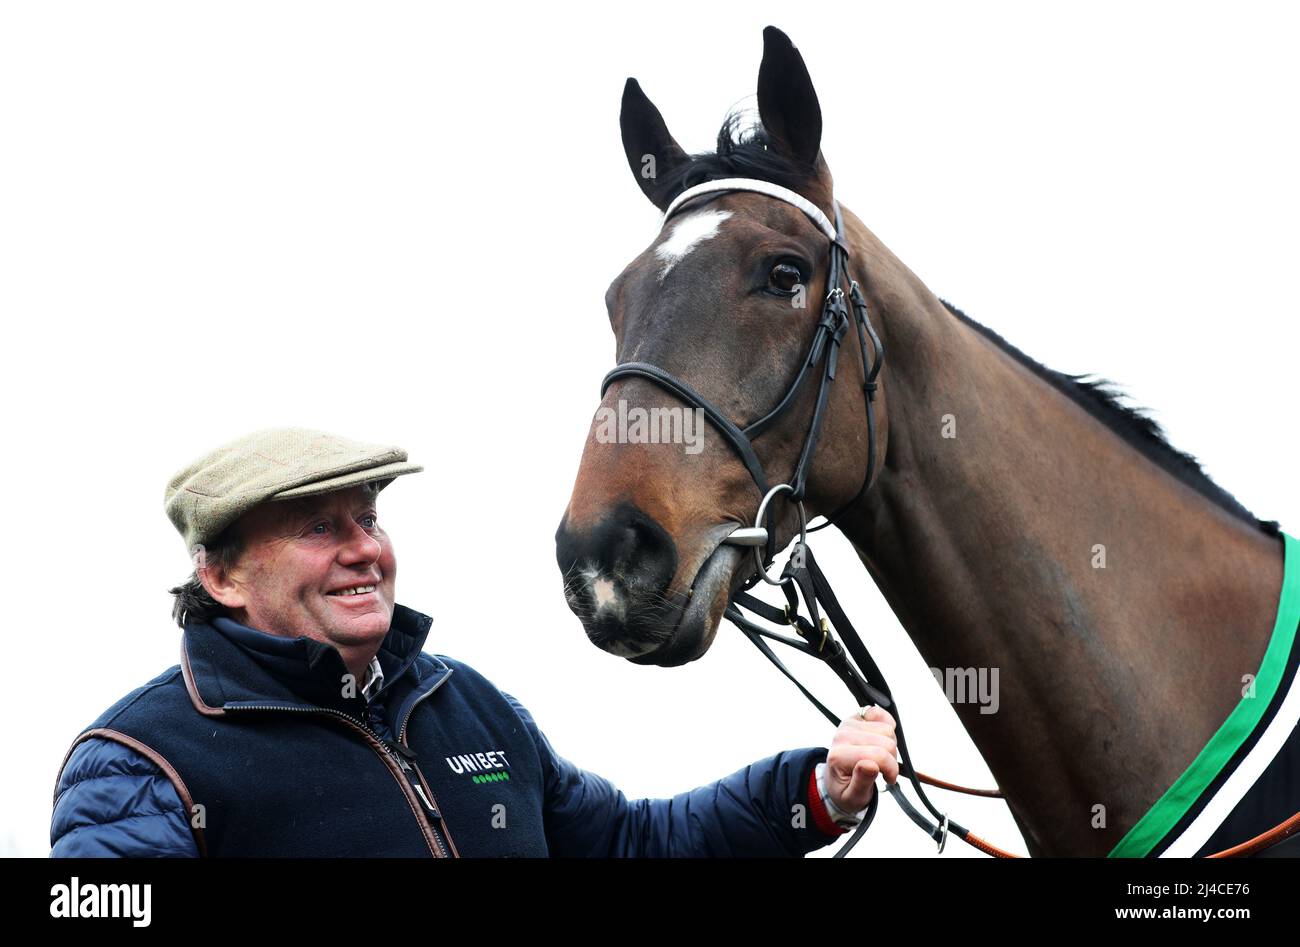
(824, 351)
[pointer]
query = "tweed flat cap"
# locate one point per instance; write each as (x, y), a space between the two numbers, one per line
(275, 464)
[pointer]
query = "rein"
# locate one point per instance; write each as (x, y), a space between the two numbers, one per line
(802, 577)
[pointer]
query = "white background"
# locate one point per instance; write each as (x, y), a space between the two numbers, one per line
(397, 222)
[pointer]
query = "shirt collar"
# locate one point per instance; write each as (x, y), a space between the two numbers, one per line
(374, 680)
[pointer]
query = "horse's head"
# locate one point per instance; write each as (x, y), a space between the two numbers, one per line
(727, 301)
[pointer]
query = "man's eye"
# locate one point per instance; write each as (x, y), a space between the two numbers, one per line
(319, 528)
(370, 520)
(784, 278)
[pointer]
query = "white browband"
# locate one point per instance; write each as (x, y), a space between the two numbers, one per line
(762, 187)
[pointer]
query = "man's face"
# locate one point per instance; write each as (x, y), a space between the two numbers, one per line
(301, 559)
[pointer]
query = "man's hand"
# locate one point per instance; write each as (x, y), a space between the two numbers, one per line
(862, 750)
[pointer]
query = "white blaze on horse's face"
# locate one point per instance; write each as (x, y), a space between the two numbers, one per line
(688, 233)
(606, 597)
(603, 591)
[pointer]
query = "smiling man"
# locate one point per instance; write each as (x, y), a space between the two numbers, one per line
(305, 718)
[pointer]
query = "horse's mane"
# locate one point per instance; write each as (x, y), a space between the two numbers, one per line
(742, 151)
(1101, 398)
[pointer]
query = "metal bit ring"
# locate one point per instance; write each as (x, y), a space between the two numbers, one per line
(758, 524)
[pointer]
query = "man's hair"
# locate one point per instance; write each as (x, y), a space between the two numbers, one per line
(192, 602)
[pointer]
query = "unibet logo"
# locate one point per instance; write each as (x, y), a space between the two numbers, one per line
(488, 767)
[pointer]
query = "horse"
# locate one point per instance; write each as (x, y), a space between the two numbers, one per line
(1018, 517)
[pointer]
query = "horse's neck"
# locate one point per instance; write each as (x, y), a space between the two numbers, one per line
(988, 544)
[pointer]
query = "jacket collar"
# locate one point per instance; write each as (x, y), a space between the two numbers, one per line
(229, 666)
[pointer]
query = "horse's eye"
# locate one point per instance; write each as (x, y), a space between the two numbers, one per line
(785, 277)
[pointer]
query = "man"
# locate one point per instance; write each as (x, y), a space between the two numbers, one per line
(305, 719)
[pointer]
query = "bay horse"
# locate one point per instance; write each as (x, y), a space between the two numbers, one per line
(1018, 518)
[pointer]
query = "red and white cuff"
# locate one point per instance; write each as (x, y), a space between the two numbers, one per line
(829, 817)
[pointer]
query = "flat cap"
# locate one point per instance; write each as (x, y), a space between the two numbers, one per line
(274, 464)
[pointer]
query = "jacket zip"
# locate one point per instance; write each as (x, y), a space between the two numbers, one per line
(406, 759)
(411, 789)
(405, 748)
(422, 789)
(401, 732)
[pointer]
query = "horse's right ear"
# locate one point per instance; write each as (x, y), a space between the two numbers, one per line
(650, 149)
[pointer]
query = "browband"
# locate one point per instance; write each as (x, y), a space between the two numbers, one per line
(761, 187)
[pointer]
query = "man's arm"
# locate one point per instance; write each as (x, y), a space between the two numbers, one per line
(764, 809)
(114, 802)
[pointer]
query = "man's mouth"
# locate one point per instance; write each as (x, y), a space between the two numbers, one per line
(353, 591)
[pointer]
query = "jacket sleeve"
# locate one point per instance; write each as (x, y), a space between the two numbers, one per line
(761, 810)
(114, 802)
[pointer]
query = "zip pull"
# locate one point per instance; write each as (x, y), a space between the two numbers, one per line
(419, 791)
(405, 755)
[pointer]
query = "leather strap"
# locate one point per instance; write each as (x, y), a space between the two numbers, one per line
(824, 349)
(734, 435)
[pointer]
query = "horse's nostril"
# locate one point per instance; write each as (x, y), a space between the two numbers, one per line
(619, 570)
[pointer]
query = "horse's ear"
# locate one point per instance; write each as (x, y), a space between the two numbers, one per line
(651, 150)
(787, 102)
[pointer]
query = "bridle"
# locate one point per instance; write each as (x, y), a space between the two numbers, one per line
(827, 337)
(851, 662)
(801, 570)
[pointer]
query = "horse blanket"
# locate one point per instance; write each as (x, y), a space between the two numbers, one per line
(1246, 780)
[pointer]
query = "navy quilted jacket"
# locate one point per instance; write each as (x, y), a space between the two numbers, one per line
(251, 747)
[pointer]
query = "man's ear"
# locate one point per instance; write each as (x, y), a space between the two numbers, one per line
(218, 583)
(651, 151)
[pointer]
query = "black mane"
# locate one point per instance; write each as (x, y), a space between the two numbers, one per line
(742, 151)
(1101, 398)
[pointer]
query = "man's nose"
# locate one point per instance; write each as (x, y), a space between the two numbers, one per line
(359, 545)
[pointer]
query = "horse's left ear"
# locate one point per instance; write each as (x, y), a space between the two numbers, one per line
(650, 148)
(787, 102)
